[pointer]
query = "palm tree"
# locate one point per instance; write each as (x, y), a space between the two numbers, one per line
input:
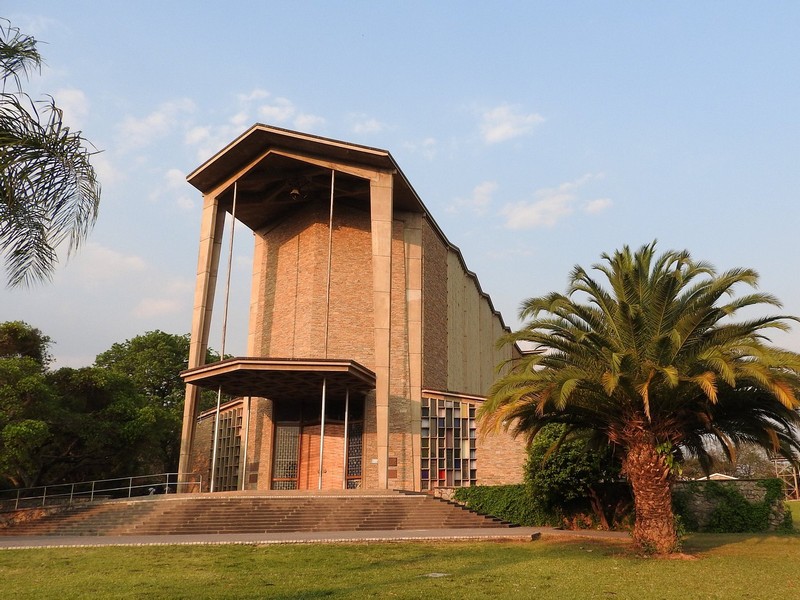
(657, 367)
(49, 192)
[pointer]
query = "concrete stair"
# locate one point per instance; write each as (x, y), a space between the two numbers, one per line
(245, 512)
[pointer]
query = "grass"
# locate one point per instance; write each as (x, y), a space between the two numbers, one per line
(726, 566)
(794, 506)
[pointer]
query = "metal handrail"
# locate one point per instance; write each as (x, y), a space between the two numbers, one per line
(89, 491)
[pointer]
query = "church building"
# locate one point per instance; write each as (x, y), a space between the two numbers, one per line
(370, 344)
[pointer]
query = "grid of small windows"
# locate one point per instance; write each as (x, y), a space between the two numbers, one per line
(228, 450)
(287, 444)
(448, 437)
(355, 432)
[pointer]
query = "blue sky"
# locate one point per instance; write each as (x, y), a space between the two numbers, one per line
(539, 135)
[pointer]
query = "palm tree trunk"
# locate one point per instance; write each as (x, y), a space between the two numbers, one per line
(649, 476)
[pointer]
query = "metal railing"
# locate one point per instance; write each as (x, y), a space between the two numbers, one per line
(100, 489)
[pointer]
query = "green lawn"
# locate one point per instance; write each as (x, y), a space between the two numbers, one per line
(794, 505)
(726, 566)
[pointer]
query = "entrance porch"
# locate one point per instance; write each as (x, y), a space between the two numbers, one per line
(307, 418)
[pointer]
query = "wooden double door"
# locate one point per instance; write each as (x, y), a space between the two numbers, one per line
(297, 444)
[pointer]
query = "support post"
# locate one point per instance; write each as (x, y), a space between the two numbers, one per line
(412, 233)
(322, 433)
(346, 439)
(246, 427)
(381, 213)
(224, 337)
(205, 286)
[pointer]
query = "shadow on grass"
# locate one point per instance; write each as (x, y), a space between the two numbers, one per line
(699, 543)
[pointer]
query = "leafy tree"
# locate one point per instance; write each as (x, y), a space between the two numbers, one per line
(21, 444)
(749, 462)
(18, 339)
(101, 427)
(569, 480)
(153, 363)
(26, 398)
(89, 423)
(70, 424)
(656, 367)
(48, 188)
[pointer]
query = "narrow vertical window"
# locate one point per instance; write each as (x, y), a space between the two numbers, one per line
(229, 440)
(286, 456)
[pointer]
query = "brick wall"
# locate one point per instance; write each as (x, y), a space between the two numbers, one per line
(369, 465)
(501, 458)
(434, 309)
(402, 464)
(200, 460)
(260, 441)
(350, 330)
(293, 278)
(289, 313)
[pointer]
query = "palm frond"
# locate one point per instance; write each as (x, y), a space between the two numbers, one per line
(18, 54)
(659, 348)
(49, 191)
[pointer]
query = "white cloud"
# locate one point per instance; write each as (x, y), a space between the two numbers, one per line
(175, 179)
(506, 252)
(36, 25)
(256, 94)
(174, 299)
(138, 132)
(279, 110)
(107, 172)
(157, 307)
(544, 212)
(185, 203)
(172, 181)
(479, 201)
(597, 205)
(482, 194)
(210, 140)
(365, 124)
(197, 135)
(308, 122)
(96, 264)
(505, 122)
(257, 105)
(75, 106)
(427, 147)
(240, 119)
(550, 205)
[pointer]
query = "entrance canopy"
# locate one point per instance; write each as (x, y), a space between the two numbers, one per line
(281, 377)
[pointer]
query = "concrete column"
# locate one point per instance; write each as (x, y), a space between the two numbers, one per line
(381, 221)
(412, 234)
(205, 284)
(256, 328)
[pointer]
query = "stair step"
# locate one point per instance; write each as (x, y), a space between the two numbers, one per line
(197, 514)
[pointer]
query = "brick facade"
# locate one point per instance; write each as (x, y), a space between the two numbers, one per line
(434, 295)
(441, 330)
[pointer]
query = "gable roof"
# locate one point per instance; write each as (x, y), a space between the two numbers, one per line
(266, 161)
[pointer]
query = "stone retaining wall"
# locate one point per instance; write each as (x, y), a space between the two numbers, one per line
(701, 505)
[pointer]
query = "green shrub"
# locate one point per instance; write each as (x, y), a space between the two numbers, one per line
(512, 503)
(566, 484)
(685, 519)
(575, 484)
(732, 512)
